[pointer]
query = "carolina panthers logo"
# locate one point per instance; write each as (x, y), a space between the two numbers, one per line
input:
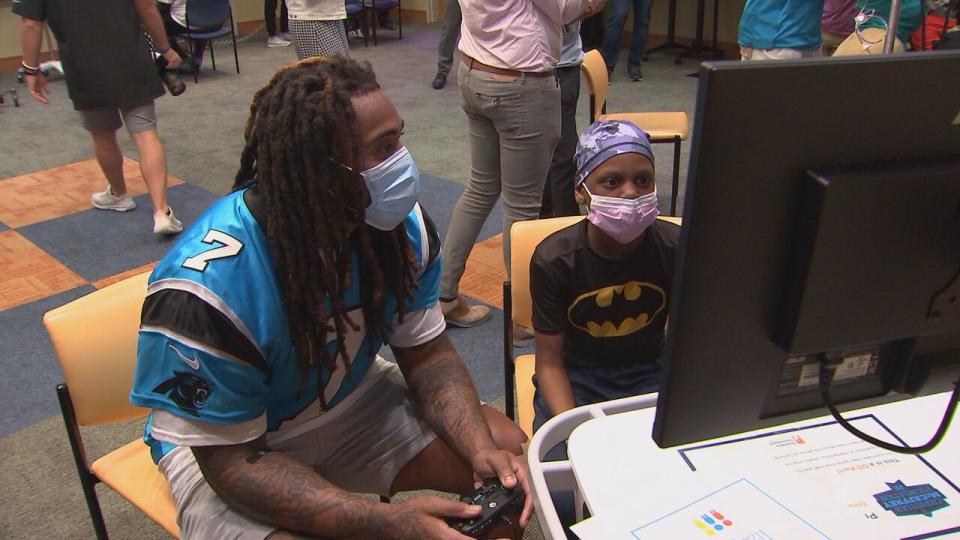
(187, 390)
(617, 310)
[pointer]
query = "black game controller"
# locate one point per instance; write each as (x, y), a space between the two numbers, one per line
(495, 501)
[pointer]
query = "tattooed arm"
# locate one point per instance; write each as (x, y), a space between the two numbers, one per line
(279, 490)
(445, 395)
(448, 401)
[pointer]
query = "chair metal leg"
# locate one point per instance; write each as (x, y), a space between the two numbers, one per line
(196, 80)
(399, 21)
(676, 176)
(213, 59)
(88, 480)
(509, 368)
(233, 37)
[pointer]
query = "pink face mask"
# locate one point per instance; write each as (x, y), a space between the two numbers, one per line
(623, 219)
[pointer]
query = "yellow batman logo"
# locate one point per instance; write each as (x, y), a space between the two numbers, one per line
(617, 310)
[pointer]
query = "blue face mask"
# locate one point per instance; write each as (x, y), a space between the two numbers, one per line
(394, 187)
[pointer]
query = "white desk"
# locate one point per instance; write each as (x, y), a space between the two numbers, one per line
(624, 477)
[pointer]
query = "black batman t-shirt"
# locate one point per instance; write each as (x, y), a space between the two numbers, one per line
(610, 312)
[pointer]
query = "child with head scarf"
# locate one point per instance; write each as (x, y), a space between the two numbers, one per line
(601, 287)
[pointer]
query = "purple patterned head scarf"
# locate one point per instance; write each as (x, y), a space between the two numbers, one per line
(605, 139)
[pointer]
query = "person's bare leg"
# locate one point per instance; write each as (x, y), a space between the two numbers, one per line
(110, 158)
(153, 167)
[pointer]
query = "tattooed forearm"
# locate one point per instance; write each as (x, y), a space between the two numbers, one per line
(281, 491)
(446, 396)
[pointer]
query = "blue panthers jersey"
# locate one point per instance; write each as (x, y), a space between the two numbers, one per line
(214, 344)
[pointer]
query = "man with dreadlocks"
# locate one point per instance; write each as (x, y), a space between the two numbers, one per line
(261, 327)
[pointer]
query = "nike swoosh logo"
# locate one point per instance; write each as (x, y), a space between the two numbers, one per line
(192, 362)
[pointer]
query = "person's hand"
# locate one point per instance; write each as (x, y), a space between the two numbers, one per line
(593, 7)
(37, 84)
(423, 517)
(510, 469)
(172, 58)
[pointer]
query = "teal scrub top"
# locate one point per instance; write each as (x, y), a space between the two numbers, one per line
(781, 24)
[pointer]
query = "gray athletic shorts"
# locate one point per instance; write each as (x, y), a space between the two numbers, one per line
(138, 119)
(375, 430)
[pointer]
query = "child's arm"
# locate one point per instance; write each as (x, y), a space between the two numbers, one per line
(551, 374)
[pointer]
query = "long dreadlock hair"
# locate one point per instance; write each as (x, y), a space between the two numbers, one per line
(301, 133)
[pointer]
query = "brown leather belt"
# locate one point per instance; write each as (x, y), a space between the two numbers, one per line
(475, 64)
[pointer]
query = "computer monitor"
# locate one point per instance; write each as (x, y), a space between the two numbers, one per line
(821, 219)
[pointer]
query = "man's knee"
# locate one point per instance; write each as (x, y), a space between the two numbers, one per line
(513, 440)
(506, 434)
(147, 140)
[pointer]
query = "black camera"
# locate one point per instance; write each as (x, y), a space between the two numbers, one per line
(169, 77)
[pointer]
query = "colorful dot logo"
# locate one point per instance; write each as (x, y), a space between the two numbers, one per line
(712, 523)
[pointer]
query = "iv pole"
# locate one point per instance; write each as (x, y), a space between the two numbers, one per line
(892, 26)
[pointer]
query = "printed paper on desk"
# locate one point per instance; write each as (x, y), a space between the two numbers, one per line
(595, 529)
(738, 511)
(847, 487)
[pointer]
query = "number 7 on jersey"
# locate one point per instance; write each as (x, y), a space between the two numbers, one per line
(229, 246)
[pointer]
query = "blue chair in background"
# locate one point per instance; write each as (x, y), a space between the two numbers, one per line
(211, 16)
(380, 5)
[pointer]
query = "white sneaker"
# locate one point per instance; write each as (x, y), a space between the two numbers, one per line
(106, 200)
(166, 223)
(277, 41)
(286, 36)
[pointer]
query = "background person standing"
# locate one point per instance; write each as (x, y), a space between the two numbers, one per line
(93, 34)
(449, 35)
(610, 49)
(512, 100)
(281, 39)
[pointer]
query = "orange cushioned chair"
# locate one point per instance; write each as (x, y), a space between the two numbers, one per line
(525, 236)
(95, 338)
(663, 127)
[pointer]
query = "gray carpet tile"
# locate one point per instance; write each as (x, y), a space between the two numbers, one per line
(96, 243)
(29, 367)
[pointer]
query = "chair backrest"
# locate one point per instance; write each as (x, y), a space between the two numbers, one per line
(207, 13)
(95, 338)
(872, 39)
(525, 236)
(598, 80)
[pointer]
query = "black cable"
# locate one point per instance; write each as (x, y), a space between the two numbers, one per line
(826, 377)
